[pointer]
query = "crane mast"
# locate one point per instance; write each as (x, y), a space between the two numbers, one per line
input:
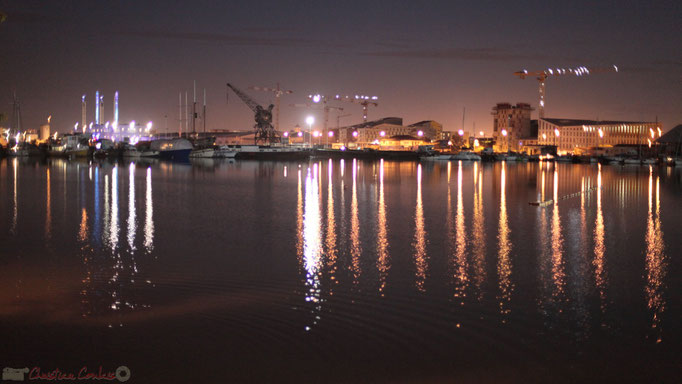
(363, 100)
(265, 133)
(543, 75)
(325, 108)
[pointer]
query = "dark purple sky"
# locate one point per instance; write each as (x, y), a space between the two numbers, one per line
(425, 60)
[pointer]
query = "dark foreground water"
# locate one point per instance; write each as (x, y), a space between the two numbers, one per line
(218, 272)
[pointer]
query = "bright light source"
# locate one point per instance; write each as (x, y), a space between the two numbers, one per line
(316, 98)
(382, 133)
(355, 133)
(450, 143)
(544, 136)
(316, 133)
(331, 134)
(285, 134)
(75, 127)
(481, 133)
(556, 132)
(601, 133)
(504, 132)
(309, 120)
(460, 132)
(149, 126)
(300, 134)
(420, 133)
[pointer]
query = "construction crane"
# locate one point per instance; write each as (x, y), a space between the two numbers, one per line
(278, 93)
(265, 133)
(338, 119)
(326, 108)
(363, 100)
(542, 76)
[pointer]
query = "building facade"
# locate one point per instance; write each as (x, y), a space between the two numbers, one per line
(373, 132)
(569, 135)
(511, 124)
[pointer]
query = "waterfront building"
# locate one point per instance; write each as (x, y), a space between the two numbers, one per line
(671, 141)
(511, 124)
(372, 132)
(570, 135)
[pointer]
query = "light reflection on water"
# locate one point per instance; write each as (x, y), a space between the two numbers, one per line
(419, 244)
(656, 262)
(384, 242)
(504, 268)
(383, 264)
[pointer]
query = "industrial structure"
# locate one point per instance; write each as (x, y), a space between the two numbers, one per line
(265, 133)
(543, 75)
(278, 93)
(113, 130)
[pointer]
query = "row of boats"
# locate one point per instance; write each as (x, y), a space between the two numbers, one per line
(521, 157)
(82, 146)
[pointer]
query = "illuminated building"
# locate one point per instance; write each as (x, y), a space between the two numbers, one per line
(570, 134)
(511, 124)
(373, 131)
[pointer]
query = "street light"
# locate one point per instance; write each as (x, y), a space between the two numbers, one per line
(310, 120)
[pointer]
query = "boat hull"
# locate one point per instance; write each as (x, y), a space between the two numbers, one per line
(175, 154)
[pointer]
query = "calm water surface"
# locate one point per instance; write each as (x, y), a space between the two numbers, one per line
(342, 271)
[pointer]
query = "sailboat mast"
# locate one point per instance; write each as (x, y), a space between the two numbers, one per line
(194, 110)
(204, 113)
(180, 114)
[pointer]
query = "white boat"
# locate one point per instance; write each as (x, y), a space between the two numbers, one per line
(204, 153)
(437, 158)
(466, 155)
(224, 152)
(131, 152)
(267, 152)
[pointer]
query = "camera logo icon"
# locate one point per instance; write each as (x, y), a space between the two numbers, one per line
(14, 374)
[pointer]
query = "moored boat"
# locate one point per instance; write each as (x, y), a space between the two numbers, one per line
(466, 156)
(172, 149)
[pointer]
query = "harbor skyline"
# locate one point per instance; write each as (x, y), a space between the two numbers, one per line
(422, 62)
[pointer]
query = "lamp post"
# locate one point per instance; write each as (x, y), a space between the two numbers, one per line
(310, 120)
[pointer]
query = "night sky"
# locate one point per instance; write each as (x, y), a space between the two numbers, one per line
(425, 60)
